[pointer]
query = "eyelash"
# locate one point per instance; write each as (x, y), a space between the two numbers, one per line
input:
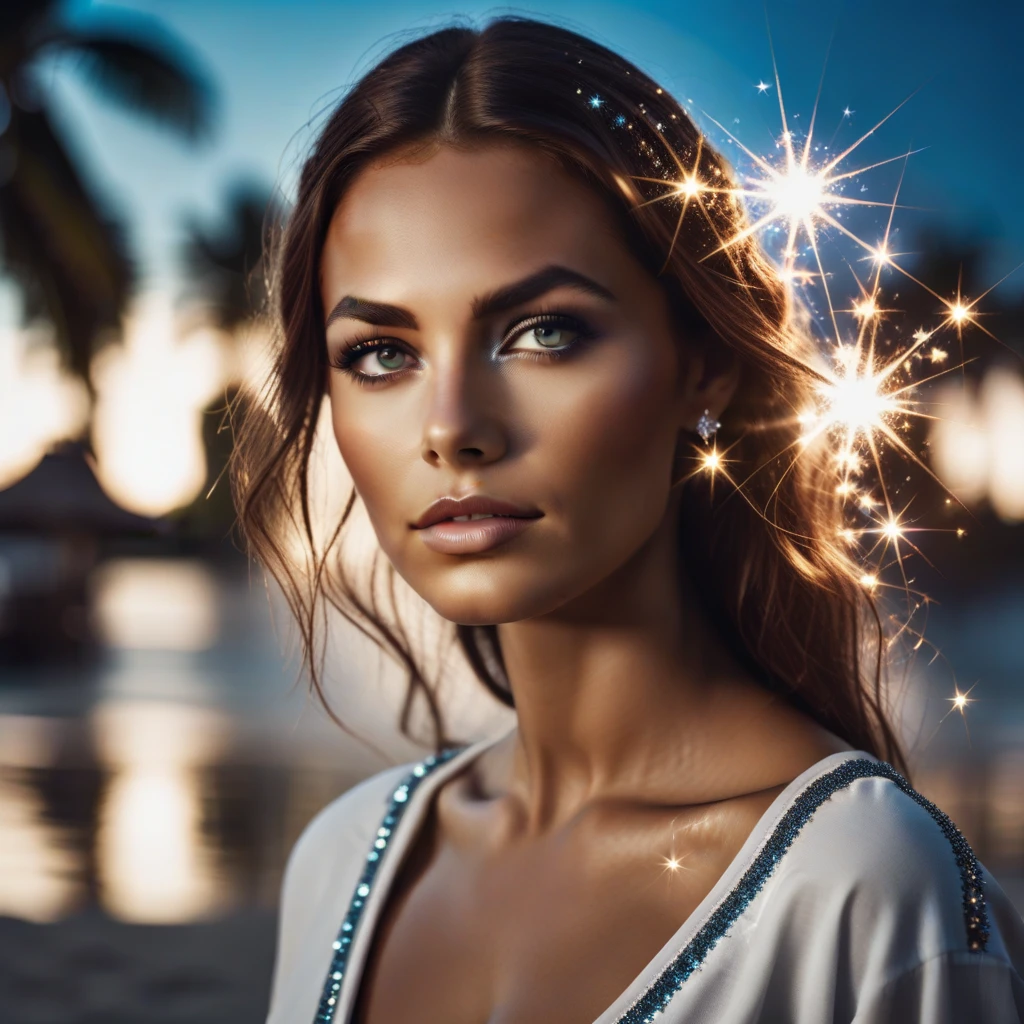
(355, 348)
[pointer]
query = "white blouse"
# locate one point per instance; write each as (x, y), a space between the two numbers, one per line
(853, 900)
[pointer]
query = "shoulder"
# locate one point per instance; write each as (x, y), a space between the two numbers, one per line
(865, 886)
(862, 822)
(871, 858)
(346, 827)
(325, 865)
(346, 824)
(321, 873)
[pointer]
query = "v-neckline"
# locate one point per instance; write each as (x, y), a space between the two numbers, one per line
(407, 829)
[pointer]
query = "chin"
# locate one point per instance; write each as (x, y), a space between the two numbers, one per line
(479, 596)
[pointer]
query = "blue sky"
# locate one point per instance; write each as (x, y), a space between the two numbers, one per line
(276, 65)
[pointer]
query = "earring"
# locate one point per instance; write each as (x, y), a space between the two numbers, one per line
(707, 425)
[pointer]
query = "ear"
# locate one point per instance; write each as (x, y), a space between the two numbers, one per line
(709, 385)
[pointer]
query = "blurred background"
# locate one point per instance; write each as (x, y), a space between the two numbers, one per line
(158, 752)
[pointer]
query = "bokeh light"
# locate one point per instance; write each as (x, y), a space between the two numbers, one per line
(151, 391)
(40, 403)
(977, 441)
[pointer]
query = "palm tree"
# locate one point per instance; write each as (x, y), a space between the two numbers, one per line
(224, 269)
(68, 256)
(224, 262)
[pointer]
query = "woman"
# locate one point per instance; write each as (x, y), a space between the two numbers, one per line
(525, 355)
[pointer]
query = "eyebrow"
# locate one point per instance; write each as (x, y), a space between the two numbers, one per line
(500, 300)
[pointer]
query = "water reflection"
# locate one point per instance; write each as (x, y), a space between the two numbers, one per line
(169, 784)
(155, 862)
(40, 866)
(38, 869)
(154, 604)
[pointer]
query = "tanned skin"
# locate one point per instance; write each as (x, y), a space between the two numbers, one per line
(537, 889)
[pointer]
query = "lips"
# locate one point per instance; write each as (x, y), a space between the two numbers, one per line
(471, 509)
(473, 524)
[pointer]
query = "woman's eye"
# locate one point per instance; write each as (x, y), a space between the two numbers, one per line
(382, 360)
(548, 335)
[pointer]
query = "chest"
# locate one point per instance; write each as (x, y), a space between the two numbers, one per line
(551, 931)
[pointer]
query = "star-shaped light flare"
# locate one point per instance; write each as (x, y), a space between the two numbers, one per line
(864, 399)
(960, 700)
(796, 192)
(857, 399)
(713, 462)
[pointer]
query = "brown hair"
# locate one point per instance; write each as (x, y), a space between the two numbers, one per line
(779, 584)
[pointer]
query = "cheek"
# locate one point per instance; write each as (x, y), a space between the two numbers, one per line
(613, 431)
(373, 451)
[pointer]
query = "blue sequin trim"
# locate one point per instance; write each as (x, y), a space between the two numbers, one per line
(654, 1000)
(396, 808)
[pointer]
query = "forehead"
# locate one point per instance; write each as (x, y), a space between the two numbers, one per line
(453, 215)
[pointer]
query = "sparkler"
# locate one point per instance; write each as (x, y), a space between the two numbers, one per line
(865, 400)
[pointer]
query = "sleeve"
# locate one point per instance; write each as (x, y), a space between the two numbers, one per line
(948, 989)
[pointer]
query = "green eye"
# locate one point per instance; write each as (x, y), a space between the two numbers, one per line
(371, 362)
(549, 336)
(390, 358)
(554, 333)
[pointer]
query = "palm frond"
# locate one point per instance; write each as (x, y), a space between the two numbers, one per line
(224, 263)
(63, 247)
(150, 74)
(69, 256)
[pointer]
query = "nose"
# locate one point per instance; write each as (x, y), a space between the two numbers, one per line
(461, 426)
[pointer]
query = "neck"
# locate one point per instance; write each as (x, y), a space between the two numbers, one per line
(619, 692)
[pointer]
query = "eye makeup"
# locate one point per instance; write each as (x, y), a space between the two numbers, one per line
(354, 350)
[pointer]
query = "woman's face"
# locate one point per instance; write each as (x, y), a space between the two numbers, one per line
(491, 335)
